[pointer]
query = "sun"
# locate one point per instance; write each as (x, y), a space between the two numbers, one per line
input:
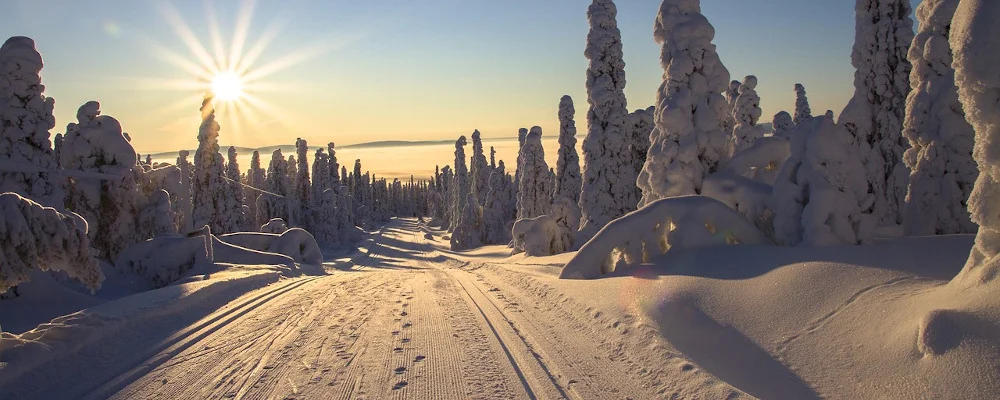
(227, 86)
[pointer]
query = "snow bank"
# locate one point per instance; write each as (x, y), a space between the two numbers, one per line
(296, 243)
(37, 237)
(166, 258)
(676, 222)
(762, 161)
(275, 225)
(748, 197)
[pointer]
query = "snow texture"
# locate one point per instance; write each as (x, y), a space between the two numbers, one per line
(25, 120)
(942, 170)
(33, 236)
(821, 196)
(689, 142)
(568, 180)
(296, 243)
(275, 225)
(746, 114)
(640, 124)
(802, 110)
(532, 197)
(761, 162)
(608, 173)
(874, 116)
(974, 33)
(671, 223)
(782, 125)
(165, 259)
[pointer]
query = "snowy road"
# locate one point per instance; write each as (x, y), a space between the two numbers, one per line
(408, 323)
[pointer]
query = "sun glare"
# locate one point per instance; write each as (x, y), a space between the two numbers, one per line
(227, 86)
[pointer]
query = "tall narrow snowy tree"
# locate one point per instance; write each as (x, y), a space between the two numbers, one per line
(640, 124)
(874, 116)
(496, 217)
(802, 111)
(942, 170)
(232, 216)
(255, 183)
(209, 187)
(522, 134)
(273, 204)
(184, 205)
(689, 142)
(746, 114)
(303, 188)
(532, 197)
(479, 170)
(460, 187)
(608, 175)
(25, 120)
(335, 176)
(568, 180)
(321, 177)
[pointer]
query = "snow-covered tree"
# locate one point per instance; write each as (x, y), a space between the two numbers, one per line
(942, 170)
(821, 193)
(783, 125)
(33, 236)
(802, 110)
(640, 124)
(57, 144)
(532, 197)
(568, 180)
(829, 114)
(688, 142)
(209, 187)
(746, 115)
(496, 217)
(273, 204)
(298, 210)
(974, 33)
(732, 92)
(479, 170)
(184, 203)
(874, 116)
(255, 183)
(468, 230)
(460, 186)
(608, 175)
(326, 229)
(25, 120)
(522, 134)
(232, 217)
(320, 176)
(335, 176)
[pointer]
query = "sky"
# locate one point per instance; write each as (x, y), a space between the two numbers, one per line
(360, 71)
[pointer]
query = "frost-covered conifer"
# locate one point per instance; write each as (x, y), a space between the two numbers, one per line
(532, 197)
(802, 111)
(335, 176)
(688, 142)
(57, 144)
(327, 228)
(273, 204)
(255, 182)
(232, 217)
(732, 92)
(821, 194)
(320, 176)
(568, 180)
(460, 187)
(298, 208)
(746, 114)
(496, 217)
(479, 170)
(608, 174)
(184, 204)
(522, 134)
(782, 125)
(640, 124)
(493, 159)
(942, 170)
(874, 116)
(829, 114)
(25, 120)
(468, 230)
(209, 188)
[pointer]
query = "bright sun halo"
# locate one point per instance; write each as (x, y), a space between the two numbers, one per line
(227, 86)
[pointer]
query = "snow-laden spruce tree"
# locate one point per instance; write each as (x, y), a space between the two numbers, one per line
(874, 116)
(522, 134)
(821, 194)
(746, 115)
(942, 170)
(782, 125)
(460, 185)
(479, 170)
(299, 207)
(974, 33)
(327, 227)
(640, 124)
(33, 236)
(532, 197)
(493, 159)
(232, 217)
(496, 217)
(689, 142)
(272, 204)
(25, 120)
(184, 203)
(255, 183)
(320, 176)
(209, 188)
(468, 232)
(732, 92)
(568, 180)
(802, 110)
(608, 175)
(57, 144)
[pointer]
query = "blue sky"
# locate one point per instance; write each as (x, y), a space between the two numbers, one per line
(384, 70)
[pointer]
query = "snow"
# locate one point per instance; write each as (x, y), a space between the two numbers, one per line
(802, 110)
(568, 180)
(762, 161)
(479, 170)
(608, 190)
(275, 225)
(689, 142)
(942, 170)
(497, 213)
(665, 224)
(461, 186)
(468, 232)
(746, 114)
(782, 125)
(209, 186)
(532, 197)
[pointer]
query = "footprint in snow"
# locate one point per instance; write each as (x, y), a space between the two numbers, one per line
(399, 385)
(400, 370)
(419, 358)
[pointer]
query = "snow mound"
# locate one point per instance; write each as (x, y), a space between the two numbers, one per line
(165, 258)
(275, 225)
(296, 243)
(674, 222)
(761, 161)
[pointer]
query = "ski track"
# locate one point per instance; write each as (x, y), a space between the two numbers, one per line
(404, 323)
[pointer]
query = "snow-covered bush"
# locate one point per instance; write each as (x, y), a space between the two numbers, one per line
(33, 236)
(821, 195)
(874, 116)
(26, 161)
(548, 234)
(689, 142)
(942, 170)
(275, 225)
(532, 198)
(746, 114)
(802, 110)
(782, 125)
(568, 180)
(761, 162)
(974, 33)
(676, 222)
(608, 174)
(468, 232)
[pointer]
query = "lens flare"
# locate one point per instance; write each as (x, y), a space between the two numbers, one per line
(227, 86)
